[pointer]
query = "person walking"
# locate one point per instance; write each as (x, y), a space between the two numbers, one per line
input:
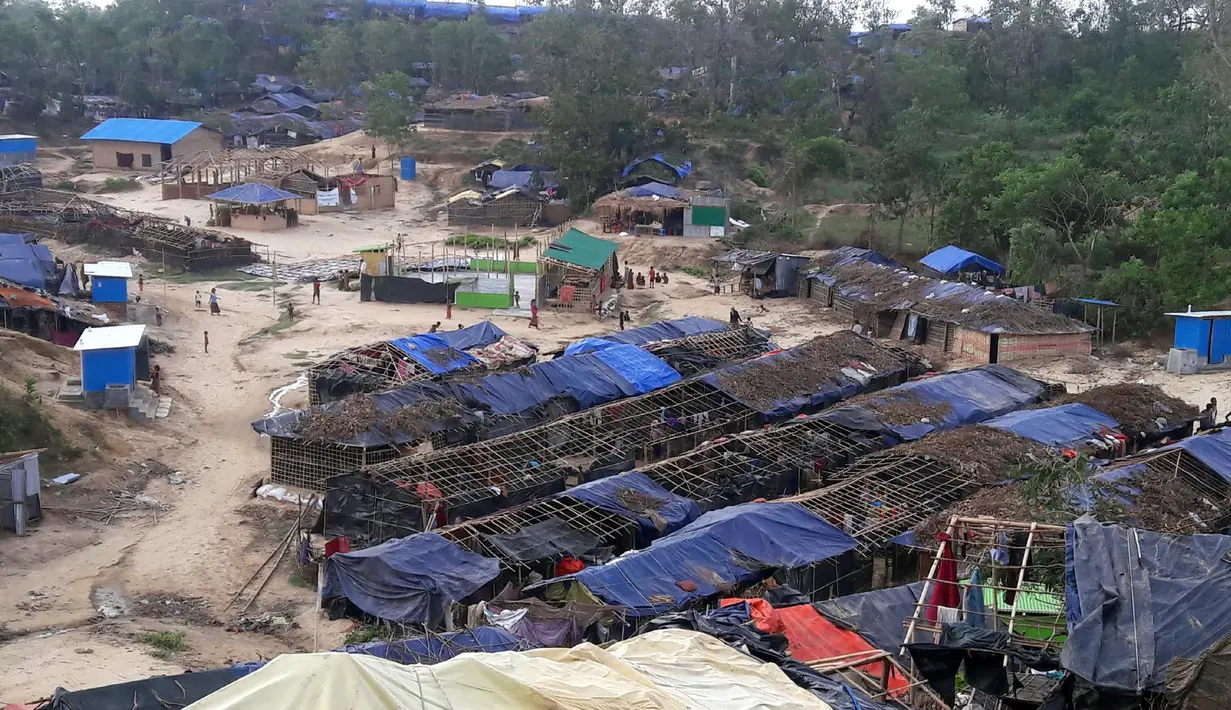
(198, 300)
(534, 313)
(651, 277)
(187, 221)
(517, 299)
(621, 320)
(156, 380)
(316, 290)
(448, 309)
(214, 308)
(141, 282)
(207, 342)
(734, 316)
(157, 316)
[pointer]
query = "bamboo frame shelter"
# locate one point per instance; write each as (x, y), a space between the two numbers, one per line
(196, 175)
(490, 475)
(299, 469)
(856, 670)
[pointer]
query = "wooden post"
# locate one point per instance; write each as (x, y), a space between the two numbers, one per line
(1021, 579)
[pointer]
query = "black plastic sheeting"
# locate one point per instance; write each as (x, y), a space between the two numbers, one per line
(1139, 600)
(158, 693)
(733, 625)
(879, 616)
(408, 289)
(982, 652)
(546, 540)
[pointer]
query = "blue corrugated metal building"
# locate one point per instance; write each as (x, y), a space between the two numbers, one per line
(136, 143)
(1207, 332)
(17, 148)
(108, 358)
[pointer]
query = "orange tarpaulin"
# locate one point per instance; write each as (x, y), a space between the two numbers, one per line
(813, 638)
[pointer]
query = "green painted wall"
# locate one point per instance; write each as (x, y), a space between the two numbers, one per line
(709, 216)
(519, 267)
(482, 300)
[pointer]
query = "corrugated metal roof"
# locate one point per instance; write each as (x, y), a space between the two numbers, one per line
(110, 337)
(16, 136)
(141, 130)
(115, 269)
(1201, 314)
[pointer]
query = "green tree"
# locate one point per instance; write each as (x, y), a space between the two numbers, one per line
(469, 55)
(389, 107)
(333, 62)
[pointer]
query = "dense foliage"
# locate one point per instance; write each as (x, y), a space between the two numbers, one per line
(1082, 147)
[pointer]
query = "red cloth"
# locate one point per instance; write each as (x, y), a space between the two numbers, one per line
(338, 544)
(569, 565)
(946, 592)
(764, 615)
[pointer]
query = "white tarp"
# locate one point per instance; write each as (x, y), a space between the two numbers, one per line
(327, 198)
(670, 669)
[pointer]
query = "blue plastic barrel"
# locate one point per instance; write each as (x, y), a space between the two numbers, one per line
(408, 168)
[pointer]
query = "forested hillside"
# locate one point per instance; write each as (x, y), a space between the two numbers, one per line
(1085, 147)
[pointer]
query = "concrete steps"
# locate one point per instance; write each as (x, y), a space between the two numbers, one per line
(71, 393)
(144, 406)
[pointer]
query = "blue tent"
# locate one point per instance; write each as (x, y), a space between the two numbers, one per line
(588, 380)
(959, 398)
(655, 332)
(731, 546)
(1138, 600)
(656, 190)
(29, 265)
(520, 178)
(409, 580)
(252, 193)
(1063, 426)
(673, 513)
(681, 171)
(951, 260)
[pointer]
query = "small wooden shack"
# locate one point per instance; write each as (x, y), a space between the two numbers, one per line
(578, 271)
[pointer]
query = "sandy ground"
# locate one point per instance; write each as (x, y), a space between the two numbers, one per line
(212, 534)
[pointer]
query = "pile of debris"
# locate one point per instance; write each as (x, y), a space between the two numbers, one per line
(416, 419)
(1138, 407)
(804, 369)
(903, 409)
(189, 610)
(341, 420)
(986, 454)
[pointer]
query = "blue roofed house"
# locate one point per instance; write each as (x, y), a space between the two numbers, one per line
(953, 262)
(146, 143)
(109, 281)
(110, 364)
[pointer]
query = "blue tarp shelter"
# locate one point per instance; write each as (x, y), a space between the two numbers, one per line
(731, 546)
(951, 260)
(959, 398)
(8, 239)
(25, 264)
(520, 178)
(654, 189)
(673, 513)
(1063, 426)
(1138, 600)
(1212, 449)
(878, 615)
(434, 353)
(588, 380)
(655, 332)
(410, 580)
(252, 193)
(476, 336)
(681, 171)
(436, 648)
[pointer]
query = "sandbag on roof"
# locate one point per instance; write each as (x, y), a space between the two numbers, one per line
(1139, 600)
(733, 545)
(1066, 425)
(412, 579)
(668, 670)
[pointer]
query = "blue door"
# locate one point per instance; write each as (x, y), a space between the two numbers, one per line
(1220, 340)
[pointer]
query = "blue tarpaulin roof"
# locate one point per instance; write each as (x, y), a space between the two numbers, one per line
(673, 513)
(434, 353)
(654, 332)
(1097, 302)
(1138, 600)
(252, 193)
(410, 580)
(878, 616)
(952, 259)
(960, 398)
(436, 648)
(790, 402)
(1063, 426)
(141, 130)
(681, 171)
(6, 239)
(520, 178)
(25, 264)
(589, 379)
(656, 190)
(733, 545)
(478, 335)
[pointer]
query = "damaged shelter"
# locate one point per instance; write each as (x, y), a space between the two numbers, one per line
(308, 446)
(654, 670)
(397, 498)
(721, 552)
(657, 209)
(471, 112)
(196, 175)
(578, 269)
(957, 318)
(820, 287)
(512, 206)
(777, 274)
(389, 364)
